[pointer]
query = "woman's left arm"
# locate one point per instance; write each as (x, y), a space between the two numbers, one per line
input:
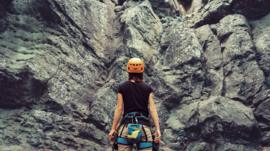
(117, 114)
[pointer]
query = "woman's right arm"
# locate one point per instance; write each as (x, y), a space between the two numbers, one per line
(154, 115)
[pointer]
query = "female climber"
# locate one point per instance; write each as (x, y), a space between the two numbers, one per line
(134, 103)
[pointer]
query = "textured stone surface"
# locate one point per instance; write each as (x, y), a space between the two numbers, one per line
(215, 115)
(142, 29)
(210, 12)
(61, 63)
(261, 39)
(211, 46)
(202, 146)
(243, 76)
(179, 66)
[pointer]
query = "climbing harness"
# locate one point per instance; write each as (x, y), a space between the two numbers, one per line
(134, 132)
(134, 121)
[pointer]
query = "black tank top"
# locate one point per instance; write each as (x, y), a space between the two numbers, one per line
(135, 96)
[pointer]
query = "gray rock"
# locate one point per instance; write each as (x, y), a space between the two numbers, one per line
(262, 111)
(236, 147)
(213, 59)
(19, 89)
(180, 45)
(93, 19)
(198, 146)
(215, 119)
(243, 78)
(142, 29)
(261, 39)
(47, 63)
(180, 65)
(202, 146)
(234, 34)
(215, 82)
(265, 138)
(3, 13)
(62, 61)
(102, 108)
(211, 46)
(210, 12)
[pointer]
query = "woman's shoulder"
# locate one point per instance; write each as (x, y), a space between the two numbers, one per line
(123, 83)
(147, 86)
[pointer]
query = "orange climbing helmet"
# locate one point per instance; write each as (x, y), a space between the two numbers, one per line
(135, 65)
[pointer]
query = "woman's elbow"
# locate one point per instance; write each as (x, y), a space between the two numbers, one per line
(152, 110)
(119, 109)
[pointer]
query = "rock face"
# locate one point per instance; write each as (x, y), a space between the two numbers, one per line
(142, 29)
(61, 63)
(209, 12)
(215, 121)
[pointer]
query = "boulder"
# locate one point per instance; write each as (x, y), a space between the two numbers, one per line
(142, 29)
(216, 119)
(211, 46)
(243, 77)
(19, 89)
(180, 65)
(210, 12)
(234, 34)
(93, 19)
(48, 63)
(61, 63)
(261, 31)
(180, 45)
(262, 114)
(202, 146)
(4, 4)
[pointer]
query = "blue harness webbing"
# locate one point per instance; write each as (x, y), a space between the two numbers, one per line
(125, 141)
(140, 145)
(143, 145)
(132, 115)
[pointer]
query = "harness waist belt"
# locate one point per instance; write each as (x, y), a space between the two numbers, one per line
(136, 117)
(140, 121)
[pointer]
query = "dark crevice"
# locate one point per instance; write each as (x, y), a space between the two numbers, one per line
(186, 4)
(225, 37)
(70, 20)
(254, 9)
(54, 107)
(92, 120)
(21, 90)
(230, 132)
(121, 2)
(224, 74)
(4, 7)
(74, 24)
(258, 57)
(192, 62)
(212, 18)
(88, 134)
(261, 119)
(49, 14)
(89, 48)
